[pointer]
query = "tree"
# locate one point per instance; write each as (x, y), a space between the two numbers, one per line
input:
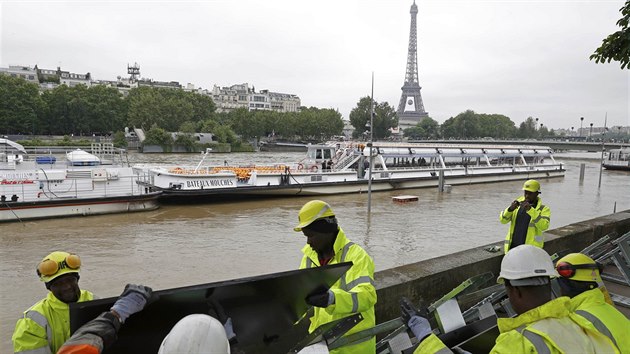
(464, 125)
(384, 118)
(496, 126)
(157, 136)
(617, 45)
(426, 128)
(120, 140)
(527, 129)
(21, 107)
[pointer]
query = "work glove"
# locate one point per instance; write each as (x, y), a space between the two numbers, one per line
(321, 298)
(418, 325)
(229, 331)
(407, 310)
(132, 300)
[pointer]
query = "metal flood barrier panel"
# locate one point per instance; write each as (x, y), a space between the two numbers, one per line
(264, 310)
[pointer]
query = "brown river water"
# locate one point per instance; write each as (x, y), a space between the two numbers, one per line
(180, 245)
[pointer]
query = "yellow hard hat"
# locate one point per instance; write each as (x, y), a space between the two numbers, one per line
(56, 264)
(311, 211)
(531, 185)
(578, 267)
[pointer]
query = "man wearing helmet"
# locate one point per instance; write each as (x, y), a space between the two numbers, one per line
(542, 325)
(581, 281)
(528, 218)
(46, 325)
(354, 292)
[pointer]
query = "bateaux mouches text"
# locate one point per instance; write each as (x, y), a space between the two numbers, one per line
(204, 183)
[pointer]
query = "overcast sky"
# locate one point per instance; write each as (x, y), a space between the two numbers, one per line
(517, 58)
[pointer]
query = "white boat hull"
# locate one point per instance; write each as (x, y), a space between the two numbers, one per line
(20, 211)
(268, 185)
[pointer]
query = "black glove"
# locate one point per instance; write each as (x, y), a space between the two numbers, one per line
(407, 310)
(321, 298)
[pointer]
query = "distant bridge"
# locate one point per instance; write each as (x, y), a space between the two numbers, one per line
(554, 144)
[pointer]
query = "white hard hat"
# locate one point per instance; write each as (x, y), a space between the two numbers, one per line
(196, 333)
(527, 265)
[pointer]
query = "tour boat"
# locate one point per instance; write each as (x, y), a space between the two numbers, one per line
(78, 186)
(618, 159)
(337, 168)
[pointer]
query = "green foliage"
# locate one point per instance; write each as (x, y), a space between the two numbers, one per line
(33, 142)
(157, 136)
(188, 127)
(527, 129)
(167, 108)
(120, 140)
(81, 110)
(426, 129)
(471, 125)
(384, 119)
(21, 106)
(224, 134)
(617, 45)
(186, 140)
(239, 147)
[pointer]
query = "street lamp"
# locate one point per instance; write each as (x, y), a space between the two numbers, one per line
(590, 131)
(572, 131)
(581, 121)
(536, 126)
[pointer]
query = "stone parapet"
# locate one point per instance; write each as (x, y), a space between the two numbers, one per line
(426, 281)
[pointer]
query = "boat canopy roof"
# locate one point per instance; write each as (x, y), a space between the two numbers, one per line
(79, 155)
(427, 151)
(6, 143)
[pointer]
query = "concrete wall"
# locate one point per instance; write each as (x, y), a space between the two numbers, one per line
(426, 281)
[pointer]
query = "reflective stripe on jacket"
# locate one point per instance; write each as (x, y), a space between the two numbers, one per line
(539, 222)
(546, 329)
(45, 326)
(591, 305)
(549, 329)
(354, 291)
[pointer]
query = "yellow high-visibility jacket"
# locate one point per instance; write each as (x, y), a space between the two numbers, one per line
(545, 329)
(539, 222)
(354, 291)
(605, 318)
(45, 326)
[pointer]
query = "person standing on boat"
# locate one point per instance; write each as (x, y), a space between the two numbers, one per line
(542, 324)
(46, 325)
(326, 243)
(528, 218)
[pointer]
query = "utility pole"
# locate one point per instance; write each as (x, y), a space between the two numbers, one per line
(370, 146)
(601, 162)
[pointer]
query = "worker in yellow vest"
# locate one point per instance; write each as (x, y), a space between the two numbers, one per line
(46, 325)
(528, 218)
(581, 281)
(543, 325)
(326, 243)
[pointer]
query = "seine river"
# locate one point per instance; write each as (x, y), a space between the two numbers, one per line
(180, 245)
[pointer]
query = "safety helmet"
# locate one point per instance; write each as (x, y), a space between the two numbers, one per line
(311, 211)
(196, 333)
(527, 265)
(531, 185)
(56, 264)
(578, 267)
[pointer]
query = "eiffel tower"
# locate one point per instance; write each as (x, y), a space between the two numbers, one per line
(411, 109)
